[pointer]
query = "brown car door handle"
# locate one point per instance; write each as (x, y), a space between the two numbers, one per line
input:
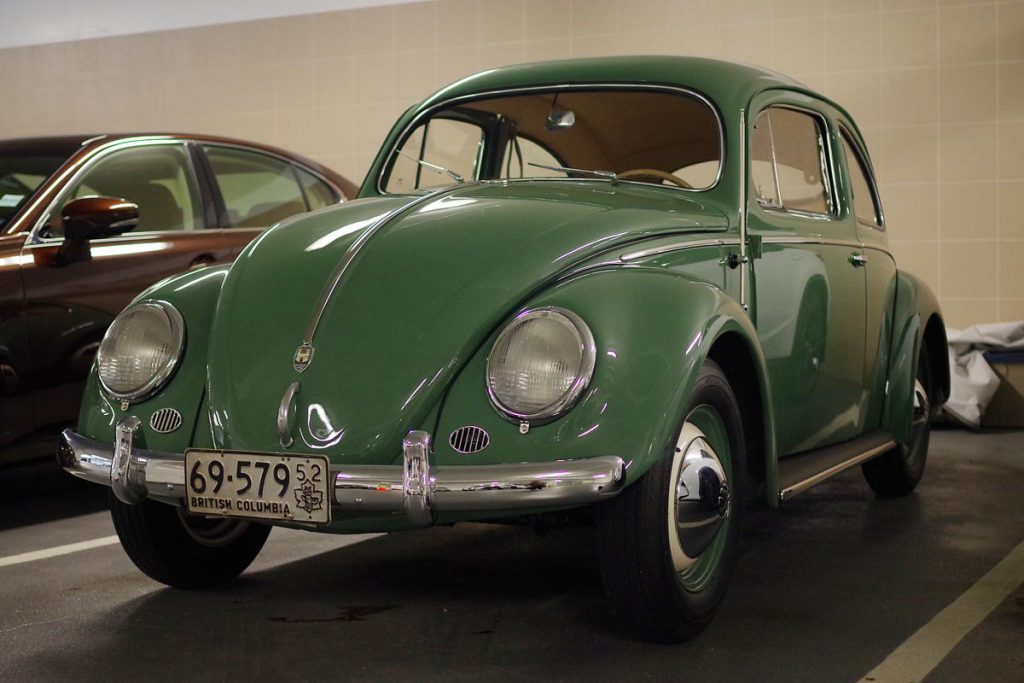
(858, 260)
(204, 260)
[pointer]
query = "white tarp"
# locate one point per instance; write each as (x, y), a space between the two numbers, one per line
(972, 380)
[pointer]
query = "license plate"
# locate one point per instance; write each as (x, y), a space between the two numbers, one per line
(293, 488)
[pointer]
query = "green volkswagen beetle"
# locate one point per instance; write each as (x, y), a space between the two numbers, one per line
(651, 290)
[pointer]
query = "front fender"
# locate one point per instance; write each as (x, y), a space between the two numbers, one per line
(916, 305)
(653, 329)
(194, 293)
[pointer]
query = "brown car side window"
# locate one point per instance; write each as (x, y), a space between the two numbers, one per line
(156, 177)
(865, 202)
(788, 162)
(258, 190)
(318, 193)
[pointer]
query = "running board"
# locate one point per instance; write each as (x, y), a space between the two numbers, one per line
(800, 472)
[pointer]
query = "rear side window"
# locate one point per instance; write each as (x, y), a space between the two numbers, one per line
(788, 161)
(258, 190)
(318, 193)
(865, 202)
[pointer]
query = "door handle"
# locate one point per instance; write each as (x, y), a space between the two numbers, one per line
(857, 260)
(202, 261)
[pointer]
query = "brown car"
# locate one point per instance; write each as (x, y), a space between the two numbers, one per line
(87, 222)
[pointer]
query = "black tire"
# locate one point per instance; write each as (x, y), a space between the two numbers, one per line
(651, 597)
(897, 472)
(180, 550)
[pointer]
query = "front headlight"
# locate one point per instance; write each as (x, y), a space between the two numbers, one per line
(540, 364)
(140, 350)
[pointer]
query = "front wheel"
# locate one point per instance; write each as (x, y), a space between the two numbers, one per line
(182, 550)
(668, 543)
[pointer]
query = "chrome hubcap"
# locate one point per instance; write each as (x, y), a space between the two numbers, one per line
(700, 497)
(212, 533)
(922, 407)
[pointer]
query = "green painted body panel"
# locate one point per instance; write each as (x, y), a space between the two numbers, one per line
(195, 294)
(415, 304)
(403, 341)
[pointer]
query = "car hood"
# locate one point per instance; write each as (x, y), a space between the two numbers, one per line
(415, 302)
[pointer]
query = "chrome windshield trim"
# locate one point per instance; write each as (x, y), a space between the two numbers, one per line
(346, 260)
(663, 87)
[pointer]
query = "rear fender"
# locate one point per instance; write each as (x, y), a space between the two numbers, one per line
(917, 321)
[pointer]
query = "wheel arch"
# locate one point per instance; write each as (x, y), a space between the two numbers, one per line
(743, 366)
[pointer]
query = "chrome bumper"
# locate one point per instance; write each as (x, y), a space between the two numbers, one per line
(413, 488)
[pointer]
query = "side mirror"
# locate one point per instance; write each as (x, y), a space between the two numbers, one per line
(90, 218)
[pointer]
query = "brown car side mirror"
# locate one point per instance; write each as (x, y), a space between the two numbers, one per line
(90, 218)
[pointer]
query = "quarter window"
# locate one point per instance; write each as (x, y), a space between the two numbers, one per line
(157, 178)
(440, 143)
(865, 203)
(788, 161)
(258, 190)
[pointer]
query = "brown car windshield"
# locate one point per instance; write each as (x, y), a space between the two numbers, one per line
(655, 136)
(21, 174)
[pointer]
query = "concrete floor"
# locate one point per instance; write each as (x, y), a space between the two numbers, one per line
(827, 588)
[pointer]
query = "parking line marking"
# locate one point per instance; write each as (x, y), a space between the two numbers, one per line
(57, 551)
(923, 651)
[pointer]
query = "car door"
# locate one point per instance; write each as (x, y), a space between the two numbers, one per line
(864, 213)
(254, 190)
(808, 291)
(69, 306)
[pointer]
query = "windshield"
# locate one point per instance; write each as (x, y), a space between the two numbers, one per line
(21, 174)
(653, 136)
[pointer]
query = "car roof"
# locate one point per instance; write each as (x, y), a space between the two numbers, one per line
(727, 83)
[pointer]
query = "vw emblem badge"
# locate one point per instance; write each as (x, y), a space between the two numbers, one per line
(303, 356)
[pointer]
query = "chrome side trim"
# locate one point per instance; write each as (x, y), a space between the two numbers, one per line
(375, 489)
(787, 493)
(675, 246)
(745, 272)
(354, 249)
(437, 106)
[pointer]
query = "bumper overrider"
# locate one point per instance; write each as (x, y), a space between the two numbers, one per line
(413, 488)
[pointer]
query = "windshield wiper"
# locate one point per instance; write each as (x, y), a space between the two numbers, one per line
(607, 175)
(433, 167)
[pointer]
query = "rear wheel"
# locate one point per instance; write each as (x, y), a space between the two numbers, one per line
(669, 541)
(897, 472)
(182, 550)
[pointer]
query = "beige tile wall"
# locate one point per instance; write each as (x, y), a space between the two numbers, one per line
(937, 85)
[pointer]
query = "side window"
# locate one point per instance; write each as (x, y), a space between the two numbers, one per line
(158, 178)
(788, 161)
(865, 203)
(446, 143)
(318, 193)
(521, 152)
(258, 190)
